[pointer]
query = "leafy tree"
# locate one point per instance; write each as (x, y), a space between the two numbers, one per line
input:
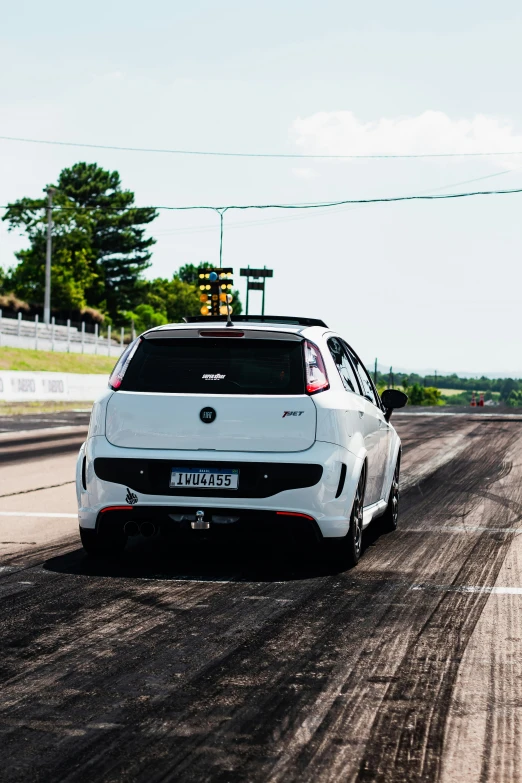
(145, 317)
(99, 246)
(515, 399)
(508, 386)
(432, 396)
(174, 298)
(416, 394)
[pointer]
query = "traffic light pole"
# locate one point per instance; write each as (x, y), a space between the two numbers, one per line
(248, 289)
(47, 293)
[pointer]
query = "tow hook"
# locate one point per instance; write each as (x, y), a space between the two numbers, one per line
(199, 523)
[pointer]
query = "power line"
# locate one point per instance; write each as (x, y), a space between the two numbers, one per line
(312, 205)
(269, 221)
(284, 155)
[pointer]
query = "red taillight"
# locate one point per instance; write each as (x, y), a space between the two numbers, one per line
(316, 377)
(116, 508)
(122, 364)
(293, 514)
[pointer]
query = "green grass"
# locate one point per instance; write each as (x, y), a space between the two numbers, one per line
(49, 361)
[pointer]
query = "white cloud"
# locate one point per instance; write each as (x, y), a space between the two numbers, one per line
(342, 133)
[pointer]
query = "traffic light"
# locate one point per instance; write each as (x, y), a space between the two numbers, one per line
(214, 287)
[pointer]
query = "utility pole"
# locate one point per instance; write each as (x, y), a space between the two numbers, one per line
(47, 295)
(375, 373)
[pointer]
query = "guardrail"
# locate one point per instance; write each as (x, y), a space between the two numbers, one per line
(20, 333)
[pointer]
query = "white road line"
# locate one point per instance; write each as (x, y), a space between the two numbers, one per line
(460, 529)
(470, 589)
(37, 514)
(478, 416)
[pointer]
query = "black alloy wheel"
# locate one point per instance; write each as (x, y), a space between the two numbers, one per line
(354, 535)
(389, 520)
(345, 552)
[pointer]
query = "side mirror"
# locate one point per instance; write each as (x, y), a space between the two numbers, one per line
(391, 399)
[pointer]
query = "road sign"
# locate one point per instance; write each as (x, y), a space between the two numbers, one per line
(256, 286)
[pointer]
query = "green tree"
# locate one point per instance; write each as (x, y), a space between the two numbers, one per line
(416, 394)
(432, 396)
(99, 246)
(145, 317)
(508, 386)
(174, 298)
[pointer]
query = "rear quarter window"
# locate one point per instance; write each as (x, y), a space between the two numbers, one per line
(216, 366)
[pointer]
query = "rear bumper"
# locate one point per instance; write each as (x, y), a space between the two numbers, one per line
(329, 514)
(243, 522)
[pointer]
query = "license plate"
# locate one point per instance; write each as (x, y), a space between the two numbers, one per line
(204, 478)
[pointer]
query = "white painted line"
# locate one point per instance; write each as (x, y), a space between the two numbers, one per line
(461, 529)
(478, 416)
(470, 589)
(37, 514)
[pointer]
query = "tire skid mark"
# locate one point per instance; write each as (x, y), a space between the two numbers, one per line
(149, 689)
(215, 721)
(64, 674)
(406, 740)
(220, 727)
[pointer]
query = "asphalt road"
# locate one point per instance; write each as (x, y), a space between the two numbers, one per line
(36, 421)
(230, 662)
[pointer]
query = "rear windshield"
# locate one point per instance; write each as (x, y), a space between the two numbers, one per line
(216, 366)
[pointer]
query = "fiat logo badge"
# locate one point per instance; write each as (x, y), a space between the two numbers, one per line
(207, 415)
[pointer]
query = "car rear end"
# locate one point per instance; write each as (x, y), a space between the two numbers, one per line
(212, 427)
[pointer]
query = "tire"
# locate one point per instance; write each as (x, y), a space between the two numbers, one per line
(346, 552)
(389, 520)
(102, 545)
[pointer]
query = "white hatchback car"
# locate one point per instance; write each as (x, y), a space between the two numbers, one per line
(266, 423)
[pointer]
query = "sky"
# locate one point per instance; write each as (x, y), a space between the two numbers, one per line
(427, 285)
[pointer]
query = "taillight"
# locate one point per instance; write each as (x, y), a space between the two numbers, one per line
(122, 364)
(316, 377)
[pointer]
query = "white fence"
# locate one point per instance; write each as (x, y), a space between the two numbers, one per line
(16, 386)
(20, 333)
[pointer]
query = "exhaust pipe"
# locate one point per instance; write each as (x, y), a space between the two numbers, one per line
(199, 523)
(147, 529)
(131, 528)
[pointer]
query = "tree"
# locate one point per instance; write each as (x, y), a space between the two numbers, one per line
(173, 298)
(416, 394)
(507, 387)
(99, 246)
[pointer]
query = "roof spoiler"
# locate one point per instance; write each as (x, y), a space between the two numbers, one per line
(264, 319)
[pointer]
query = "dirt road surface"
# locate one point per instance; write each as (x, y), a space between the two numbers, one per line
(228, 662)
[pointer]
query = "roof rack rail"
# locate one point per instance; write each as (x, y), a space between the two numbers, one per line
(267, 319)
